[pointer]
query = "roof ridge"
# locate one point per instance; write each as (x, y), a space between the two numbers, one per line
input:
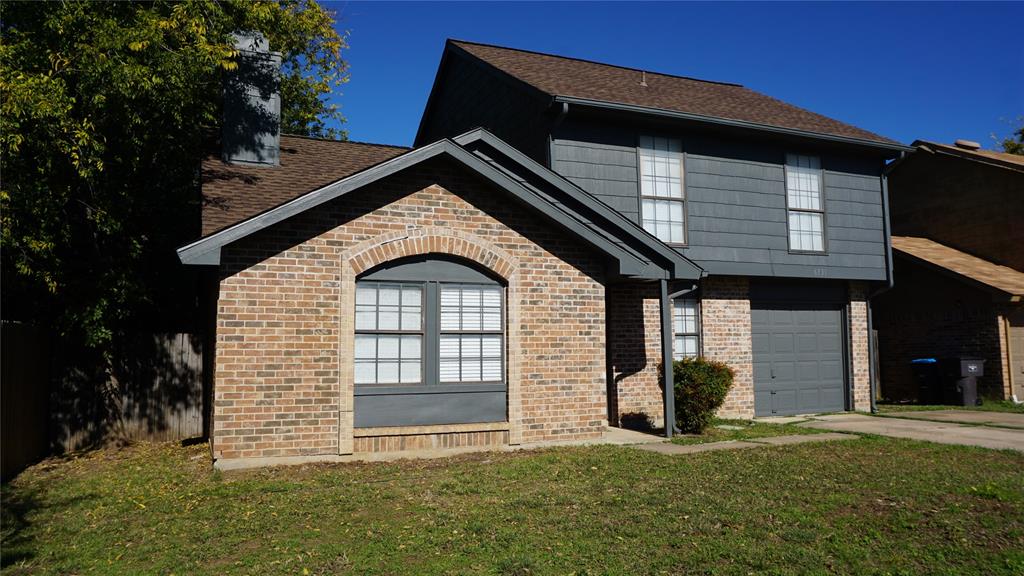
(563, 57)
(315, 139)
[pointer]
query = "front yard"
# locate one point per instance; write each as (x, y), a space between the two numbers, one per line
(871, 505)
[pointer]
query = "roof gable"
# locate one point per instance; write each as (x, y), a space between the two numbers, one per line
(658, 261)
(587, 81)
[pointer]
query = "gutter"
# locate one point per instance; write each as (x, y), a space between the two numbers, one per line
(732, 123)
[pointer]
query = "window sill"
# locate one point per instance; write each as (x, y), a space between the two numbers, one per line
(808, 253)
(385, 390)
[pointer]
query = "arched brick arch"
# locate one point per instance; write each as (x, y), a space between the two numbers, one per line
(420, 241)
(417, 242)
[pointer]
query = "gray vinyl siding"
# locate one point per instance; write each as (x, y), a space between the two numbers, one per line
(736, 201)
(469, 94)
(606, 170)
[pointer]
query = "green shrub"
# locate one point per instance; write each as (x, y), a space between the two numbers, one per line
(701, 386)
(636, 421)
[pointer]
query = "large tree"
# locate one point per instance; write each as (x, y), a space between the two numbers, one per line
(107, 109)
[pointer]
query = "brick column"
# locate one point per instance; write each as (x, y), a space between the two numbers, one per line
(725, 317)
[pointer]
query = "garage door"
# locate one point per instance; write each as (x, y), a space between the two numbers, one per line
(798, 359)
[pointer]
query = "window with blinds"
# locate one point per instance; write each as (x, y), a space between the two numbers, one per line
(806, 209)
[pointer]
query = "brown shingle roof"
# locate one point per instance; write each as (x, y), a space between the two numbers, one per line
(1002, 159)
(236, 192)
(562, 76)
(999, 277)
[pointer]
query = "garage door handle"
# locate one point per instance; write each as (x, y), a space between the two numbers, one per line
(773, 372)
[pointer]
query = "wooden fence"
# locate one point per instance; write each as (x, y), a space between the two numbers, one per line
(25, 368)
(156, 392)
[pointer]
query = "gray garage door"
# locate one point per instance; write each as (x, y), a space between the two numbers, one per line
(798, 359)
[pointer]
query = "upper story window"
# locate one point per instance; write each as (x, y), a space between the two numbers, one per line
(685, 328)
(428, 321)
(806, 208)
(662, 196)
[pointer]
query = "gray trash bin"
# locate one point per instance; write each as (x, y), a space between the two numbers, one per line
(967, 383)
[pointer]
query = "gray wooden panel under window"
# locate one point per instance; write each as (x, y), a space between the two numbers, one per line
(426, 408)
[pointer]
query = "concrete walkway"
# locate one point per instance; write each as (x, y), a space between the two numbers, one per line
(673, 449)
(941, 432)
(1001, 419)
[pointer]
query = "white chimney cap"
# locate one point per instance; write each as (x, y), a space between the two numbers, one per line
(967, 145)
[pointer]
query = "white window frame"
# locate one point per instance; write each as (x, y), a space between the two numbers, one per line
(796, 161)
(400, 333)
(647, 146)
(679, 332)
(481, 332)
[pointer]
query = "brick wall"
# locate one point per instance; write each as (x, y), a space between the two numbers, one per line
(634, 334)
(283, 377)
(860, 346)
(725, 317)
(927, 315)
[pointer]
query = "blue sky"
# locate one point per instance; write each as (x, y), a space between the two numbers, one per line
(907, 71)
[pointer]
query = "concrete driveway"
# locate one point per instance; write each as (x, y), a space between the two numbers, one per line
(1003, 419)
(941, 432)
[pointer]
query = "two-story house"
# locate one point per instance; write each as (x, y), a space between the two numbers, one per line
(958, 246)
(560, 231)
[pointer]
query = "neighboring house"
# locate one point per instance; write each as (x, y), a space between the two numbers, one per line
(958, 242)
(560, 231)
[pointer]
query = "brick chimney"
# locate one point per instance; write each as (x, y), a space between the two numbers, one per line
(251, 132)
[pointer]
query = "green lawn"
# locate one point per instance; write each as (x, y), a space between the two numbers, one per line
(749, 430)
(871, 505)
(987, 406)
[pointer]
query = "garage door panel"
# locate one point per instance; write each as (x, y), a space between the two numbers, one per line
(761, 342)
(782, 343)
(798, 359)
(830, 343)
(781, 317)
(808, 371)
(809, 400)
(784, 401)
(806, 342)
(831, 371)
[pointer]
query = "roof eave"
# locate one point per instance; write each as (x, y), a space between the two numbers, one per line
(206, 251)
(997, 292)
(849, 140)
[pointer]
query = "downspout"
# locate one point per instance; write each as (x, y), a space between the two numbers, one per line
(872, 360)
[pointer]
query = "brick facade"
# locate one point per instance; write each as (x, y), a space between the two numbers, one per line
(634, 332)
(860, 346)
(725, 317)
(283, 375)
(634, 335)
(932, 315)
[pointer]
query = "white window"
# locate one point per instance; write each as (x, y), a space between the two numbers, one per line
(804, 200)
(685, 329)
(662, 196)
(389, 333)
(471, 333)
